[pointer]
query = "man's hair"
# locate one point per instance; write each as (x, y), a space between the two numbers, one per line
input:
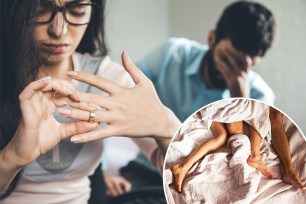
(249, 25)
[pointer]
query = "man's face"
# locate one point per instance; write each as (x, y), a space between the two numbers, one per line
(230, 62)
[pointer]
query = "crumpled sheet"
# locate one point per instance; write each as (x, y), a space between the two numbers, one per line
(224, 176)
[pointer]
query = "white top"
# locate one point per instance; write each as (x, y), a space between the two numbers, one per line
(61, 175)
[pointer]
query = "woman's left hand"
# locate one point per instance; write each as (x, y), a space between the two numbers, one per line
(132, 112)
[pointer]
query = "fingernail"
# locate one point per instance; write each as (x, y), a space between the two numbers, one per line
(76, 97)
(45, 78)
(64, 111)
(72, 73)
(131, 61)
(75, 139)
(128, 57)
(67, 90)
(95, 106)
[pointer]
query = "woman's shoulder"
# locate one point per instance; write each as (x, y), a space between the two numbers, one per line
(86, 62)
(105, 67)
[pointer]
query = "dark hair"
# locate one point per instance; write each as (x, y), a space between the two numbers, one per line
(93, 41)
(20, 60)
(17, 60)
(249, 25)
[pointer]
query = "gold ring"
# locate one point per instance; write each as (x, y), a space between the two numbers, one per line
(92, 116)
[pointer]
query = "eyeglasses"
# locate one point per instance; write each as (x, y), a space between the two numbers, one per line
(75, 13)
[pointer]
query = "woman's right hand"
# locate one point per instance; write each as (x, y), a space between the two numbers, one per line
(38, 130)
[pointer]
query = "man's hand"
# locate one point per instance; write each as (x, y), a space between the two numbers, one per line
(234, 67)
(116, 185)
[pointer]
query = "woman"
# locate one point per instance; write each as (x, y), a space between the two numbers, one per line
(38, 47)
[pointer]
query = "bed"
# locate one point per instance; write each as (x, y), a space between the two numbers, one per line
(224, 176)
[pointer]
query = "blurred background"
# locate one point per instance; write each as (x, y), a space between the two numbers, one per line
(138, 26)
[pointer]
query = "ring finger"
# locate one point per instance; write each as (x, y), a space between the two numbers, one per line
(90, 116)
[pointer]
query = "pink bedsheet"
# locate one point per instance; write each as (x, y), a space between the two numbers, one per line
(224, 176)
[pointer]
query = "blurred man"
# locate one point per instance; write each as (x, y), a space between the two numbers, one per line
(188, 75)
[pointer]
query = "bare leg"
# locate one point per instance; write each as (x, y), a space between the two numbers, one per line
(179, 170)
(235, 128)
(281, 146)
(255, 159)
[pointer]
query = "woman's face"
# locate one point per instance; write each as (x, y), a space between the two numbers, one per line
(57, 39)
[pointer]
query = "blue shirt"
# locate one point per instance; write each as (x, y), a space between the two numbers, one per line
(174, 68)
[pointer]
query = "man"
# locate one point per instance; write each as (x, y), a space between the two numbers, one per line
(188, 75)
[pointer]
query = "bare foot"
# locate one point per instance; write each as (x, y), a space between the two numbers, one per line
(179, 174)
(291, 178)
(258, 164)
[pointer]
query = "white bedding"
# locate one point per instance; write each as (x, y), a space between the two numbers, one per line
(224, 176)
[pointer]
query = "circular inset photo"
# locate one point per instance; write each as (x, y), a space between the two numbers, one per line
(236, 151)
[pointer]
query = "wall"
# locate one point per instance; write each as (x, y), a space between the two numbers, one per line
(138, 26)
(284, 65)
(284, 68)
